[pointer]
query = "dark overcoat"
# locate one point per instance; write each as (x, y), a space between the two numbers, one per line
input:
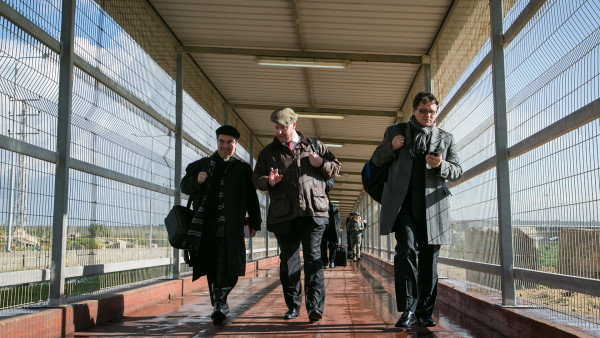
(239, 197)
(436, 193)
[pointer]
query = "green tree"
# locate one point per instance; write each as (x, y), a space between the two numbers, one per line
(98, 230)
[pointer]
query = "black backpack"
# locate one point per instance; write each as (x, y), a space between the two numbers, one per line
(374, 177)
(314, 144)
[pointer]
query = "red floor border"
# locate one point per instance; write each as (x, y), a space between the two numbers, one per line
(64, 320)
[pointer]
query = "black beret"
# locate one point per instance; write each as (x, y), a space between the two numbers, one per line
(228, 130)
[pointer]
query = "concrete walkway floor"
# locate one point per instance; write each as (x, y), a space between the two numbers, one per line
(359, 302)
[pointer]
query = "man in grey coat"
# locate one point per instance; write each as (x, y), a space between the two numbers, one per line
(415, 205)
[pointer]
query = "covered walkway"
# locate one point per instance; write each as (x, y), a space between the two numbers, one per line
(360, 302)
(103, 104)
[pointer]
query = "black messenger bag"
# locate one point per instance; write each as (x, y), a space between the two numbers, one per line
(178, 222)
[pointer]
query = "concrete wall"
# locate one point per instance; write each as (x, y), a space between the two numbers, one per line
(579, 252)
(481, 245)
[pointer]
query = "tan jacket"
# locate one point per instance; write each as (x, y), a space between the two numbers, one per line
(301, 191)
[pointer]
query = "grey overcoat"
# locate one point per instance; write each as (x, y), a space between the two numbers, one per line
(436, 192)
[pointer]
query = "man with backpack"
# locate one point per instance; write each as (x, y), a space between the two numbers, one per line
(295, 177)
(415, 206)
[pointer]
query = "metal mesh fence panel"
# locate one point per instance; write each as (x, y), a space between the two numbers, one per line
(28, 99)
(105, 46)
(45, 14)
(116, 216)
(552, 73)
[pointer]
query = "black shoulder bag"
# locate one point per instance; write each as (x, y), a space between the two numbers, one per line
(178, 222)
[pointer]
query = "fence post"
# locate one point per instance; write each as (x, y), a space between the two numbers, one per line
(63, 146)
(178, 151)
(502, 169)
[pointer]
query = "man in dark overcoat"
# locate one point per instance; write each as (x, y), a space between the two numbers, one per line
(221, 189)
(415, 205)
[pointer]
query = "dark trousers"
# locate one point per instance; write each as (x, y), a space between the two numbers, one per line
(349, 242)
(303, 230)
(220, 281)
(330, 242)
(416, 284)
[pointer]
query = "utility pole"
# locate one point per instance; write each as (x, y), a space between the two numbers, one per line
(17, 205)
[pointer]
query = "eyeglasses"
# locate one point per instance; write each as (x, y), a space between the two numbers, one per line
(425, 111)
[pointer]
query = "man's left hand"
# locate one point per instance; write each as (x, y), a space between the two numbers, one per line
(434, 161)
(315, 160)
(252, 232)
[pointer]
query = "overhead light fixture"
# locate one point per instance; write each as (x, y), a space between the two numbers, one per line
(322, 116)
(334, 145)
(302, 62)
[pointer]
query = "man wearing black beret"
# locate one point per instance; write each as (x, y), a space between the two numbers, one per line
(221, 190)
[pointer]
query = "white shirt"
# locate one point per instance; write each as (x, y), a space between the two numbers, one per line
(295, 141)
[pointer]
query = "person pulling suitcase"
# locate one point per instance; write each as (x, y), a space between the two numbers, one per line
(330, 238)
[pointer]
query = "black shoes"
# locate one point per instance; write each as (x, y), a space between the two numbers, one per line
(315, 315)
(290, 314)
(330, 265)
(407, 319)
(220, 313)
(425, 321)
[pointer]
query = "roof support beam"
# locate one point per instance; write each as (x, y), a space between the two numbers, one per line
(346, 173)
(336, 189)
(352, 160)
(387, 58)
(354, 182)
(332, 140)
(340, 111)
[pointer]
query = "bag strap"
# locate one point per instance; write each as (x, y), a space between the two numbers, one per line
(314, 144)
(400, 130)
(204, 166)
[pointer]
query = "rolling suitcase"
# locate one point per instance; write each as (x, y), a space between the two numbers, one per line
(340, 256)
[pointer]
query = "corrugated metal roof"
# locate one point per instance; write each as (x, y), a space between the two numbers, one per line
(230, 31)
